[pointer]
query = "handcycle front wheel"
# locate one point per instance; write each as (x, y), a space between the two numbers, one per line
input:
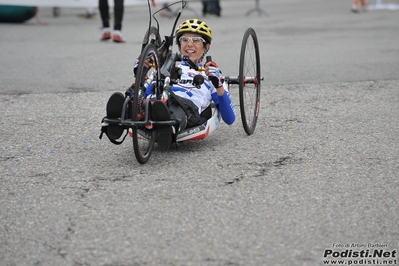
(147, 72)
(249, 81)
(143, 143)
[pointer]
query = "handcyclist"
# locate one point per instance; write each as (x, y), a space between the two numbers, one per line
(194, 39)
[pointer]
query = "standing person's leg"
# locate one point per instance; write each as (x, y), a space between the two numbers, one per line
(118, 13)
(212, 7)
(104, 12)
(218, 8)
(204, 8)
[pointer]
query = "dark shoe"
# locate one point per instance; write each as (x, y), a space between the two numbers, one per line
(114, 110)
(160, 112)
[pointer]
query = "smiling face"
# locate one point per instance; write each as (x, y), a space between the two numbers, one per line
(193, 45)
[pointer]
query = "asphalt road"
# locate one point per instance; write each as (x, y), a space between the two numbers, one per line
(320, 172)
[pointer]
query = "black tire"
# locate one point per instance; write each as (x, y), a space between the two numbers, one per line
(249, 81)
(143, 143)
(143, 137)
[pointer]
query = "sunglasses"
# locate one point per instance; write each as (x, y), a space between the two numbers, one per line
(195, 40)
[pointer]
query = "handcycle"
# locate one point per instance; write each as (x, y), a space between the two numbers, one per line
(157, 67)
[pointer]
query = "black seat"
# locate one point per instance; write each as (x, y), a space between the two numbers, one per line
(207, 113)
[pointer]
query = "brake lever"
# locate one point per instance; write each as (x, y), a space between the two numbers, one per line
(208, 59)
(194, 66)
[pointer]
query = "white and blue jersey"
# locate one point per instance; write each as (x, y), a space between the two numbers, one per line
(202, 96)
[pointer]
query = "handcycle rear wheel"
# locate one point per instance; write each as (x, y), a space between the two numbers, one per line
(249, 92)
(144, 136)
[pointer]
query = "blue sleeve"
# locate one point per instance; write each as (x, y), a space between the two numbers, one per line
(148, 90)
(226, 107)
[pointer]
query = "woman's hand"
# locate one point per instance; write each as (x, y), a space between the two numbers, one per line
(214, 74)
(136, 64)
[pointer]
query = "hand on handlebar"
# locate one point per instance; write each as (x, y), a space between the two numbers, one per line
(147, 64)
(214, 74)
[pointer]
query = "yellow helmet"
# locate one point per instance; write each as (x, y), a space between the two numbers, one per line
(196, 26)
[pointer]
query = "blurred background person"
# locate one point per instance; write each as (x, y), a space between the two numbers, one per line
(211, 8)
(118, 16)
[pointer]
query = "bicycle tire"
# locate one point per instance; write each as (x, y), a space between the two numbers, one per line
(249, 92)
(143, 137)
